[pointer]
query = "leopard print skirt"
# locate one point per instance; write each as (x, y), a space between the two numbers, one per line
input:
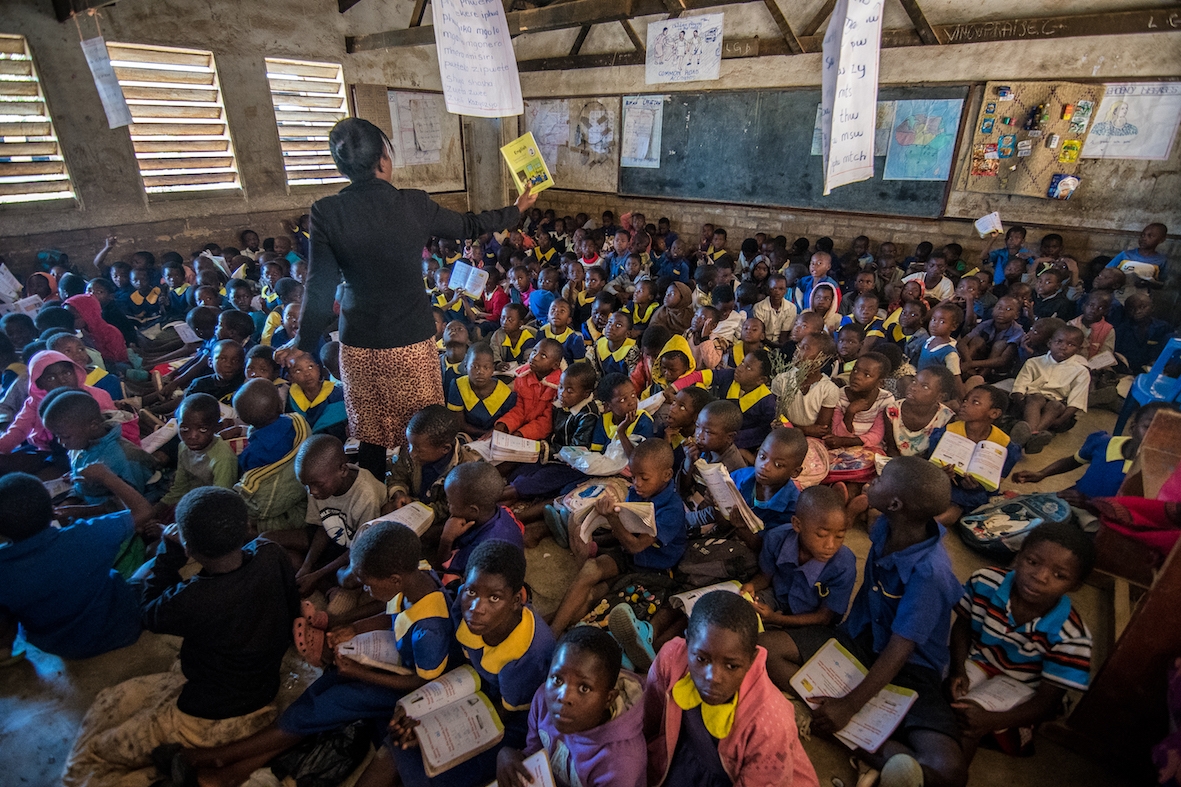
(384, 388)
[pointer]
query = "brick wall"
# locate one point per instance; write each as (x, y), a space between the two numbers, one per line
(180, 235)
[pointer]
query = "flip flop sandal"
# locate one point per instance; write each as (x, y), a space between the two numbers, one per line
(309, 642)
(867, 776)
(316, 618)
(557, 527)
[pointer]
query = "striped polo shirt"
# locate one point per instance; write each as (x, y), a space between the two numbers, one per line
(1055, 647)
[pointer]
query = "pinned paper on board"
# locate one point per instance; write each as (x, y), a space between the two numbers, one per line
(643, 121)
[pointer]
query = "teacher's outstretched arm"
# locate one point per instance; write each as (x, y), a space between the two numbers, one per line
(444, 223)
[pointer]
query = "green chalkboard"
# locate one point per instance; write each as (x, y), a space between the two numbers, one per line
(754, 147)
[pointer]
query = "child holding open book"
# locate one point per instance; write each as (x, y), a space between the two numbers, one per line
(1017, 644)
(588, 718)
(899, 628)
(976, 478)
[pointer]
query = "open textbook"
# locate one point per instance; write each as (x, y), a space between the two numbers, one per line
(525, 164)
(377, 649)
(537, 764)
(998, 693)
(687, 600)
(989, 225)
(833, 672)
(984, 461)
(456, 721)
(726, 495)
(638, 518)
(468, 279)
(416, 516)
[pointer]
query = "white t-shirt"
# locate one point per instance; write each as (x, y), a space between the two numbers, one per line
(942, 291)
(776, 322)
(804, 408)
(343, 515)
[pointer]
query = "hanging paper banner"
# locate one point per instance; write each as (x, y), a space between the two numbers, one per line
(115, 105)
(476, 58)
(849, 91)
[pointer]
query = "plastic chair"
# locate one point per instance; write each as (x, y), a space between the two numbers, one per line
(1152, 386)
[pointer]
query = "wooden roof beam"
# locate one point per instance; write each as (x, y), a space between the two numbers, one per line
(789, 36)
(926, 34)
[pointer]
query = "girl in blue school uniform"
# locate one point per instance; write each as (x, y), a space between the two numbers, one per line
(747, 385)
(478, 395)
(940, 349)
(561, 318)
(385, 557)
(616, 352)
(513, 340)
(510, 648)
(318, 400)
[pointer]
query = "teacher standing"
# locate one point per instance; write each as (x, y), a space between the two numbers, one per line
(371, 236)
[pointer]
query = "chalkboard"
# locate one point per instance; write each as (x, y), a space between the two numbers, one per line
(754, 147)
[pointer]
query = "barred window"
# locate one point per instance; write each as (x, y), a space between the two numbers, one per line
(179, 131)
(309, 98)
(31, 165)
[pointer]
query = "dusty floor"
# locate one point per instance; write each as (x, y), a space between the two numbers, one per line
(43, 699)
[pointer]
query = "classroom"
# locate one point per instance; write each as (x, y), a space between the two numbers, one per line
(590, 392)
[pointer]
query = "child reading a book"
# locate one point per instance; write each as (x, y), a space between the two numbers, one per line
(747, 385)
(616, 352)
(713, 442)
(513, 339)
(203, 459)
(651, 465)
(385, 558)
(235, 617)
(478, 396)
(1107, 459)
(711, 713)
(587, 718)
(1016, 628)
(1050, 390)
(808, 571)
(472, 490)
(433, 447)
(536, 385)
(510, 648)
(622, 417)
(561, 318)
(58, 582)
(899, 627)
(975, 421)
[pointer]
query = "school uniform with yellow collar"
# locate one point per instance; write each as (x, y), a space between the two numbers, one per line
(643, 427)
(640, 315)
(573, 345)
(701, 378)
(505, 349)
(622, 361)
(480, 412)
(758, 407)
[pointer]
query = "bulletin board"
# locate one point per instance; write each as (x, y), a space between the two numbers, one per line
(579, 140)
(427, 139)
(1026, 133)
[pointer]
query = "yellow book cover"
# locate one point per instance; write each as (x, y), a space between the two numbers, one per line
(524, 160)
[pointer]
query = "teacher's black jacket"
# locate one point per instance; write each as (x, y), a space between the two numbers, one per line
(373, 234)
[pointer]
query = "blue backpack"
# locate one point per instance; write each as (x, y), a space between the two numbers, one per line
(999, 529)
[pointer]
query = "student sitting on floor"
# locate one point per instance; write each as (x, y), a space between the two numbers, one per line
(651, 466)
(559, 328)
(588, 717)
(911, 421)
(616, 351)
(1019, 623)
(899, 628)
(203, 459)
(96, 377)
(1050, 391)
(746, 385)
(91, 612)
(433, 447)
(536, 385)
(274, 496)
(235, 617)
(808, 571)
(711, 713)
(510, 648)
(513, 340)
(621, 416)
(991, 349)
(976, 420)
(385, 557)
(713, 442)
(475, 517)
(859, 417)
(478, 395)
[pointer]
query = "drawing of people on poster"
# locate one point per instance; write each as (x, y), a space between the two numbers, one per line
(687, 49)
(1136, 120)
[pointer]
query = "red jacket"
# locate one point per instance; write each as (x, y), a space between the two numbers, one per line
(532, 416)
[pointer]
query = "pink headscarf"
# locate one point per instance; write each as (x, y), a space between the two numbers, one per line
(108, 340)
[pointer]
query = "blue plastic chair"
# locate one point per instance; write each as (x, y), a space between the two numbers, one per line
(1152, 386)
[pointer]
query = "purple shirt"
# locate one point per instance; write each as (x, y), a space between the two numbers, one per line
(502, 526)
(613, 754)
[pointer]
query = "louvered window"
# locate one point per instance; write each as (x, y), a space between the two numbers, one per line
(181, 139)
(309, 98)
(31, 164)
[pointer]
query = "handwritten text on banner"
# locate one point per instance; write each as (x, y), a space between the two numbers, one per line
(114, 104)
(476, 58)
(849, 91)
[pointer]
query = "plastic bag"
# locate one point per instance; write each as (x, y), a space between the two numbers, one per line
(610, 462)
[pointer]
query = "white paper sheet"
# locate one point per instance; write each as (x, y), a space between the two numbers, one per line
(109, 91)
(687, 49)
(643, 124)
(476, 58)
(849, 84)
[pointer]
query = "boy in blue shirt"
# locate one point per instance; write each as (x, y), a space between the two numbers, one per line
(652, 482)
(385, 557)
(1135, 262)
(95, 610)
(561, 317)
(899, 628)
(472, 490)
(809, 572)
(545, 294)
(997, 259)
(769, 487)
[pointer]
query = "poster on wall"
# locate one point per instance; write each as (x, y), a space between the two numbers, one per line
(549, 122)
(643, 122)
(922, 143)
(417, 122)
(688, 49)
(476, 58)
(580, 139)
(1135, 120)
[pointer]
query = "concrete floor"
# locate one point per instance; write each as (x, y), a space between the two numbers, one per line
(43, 699)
